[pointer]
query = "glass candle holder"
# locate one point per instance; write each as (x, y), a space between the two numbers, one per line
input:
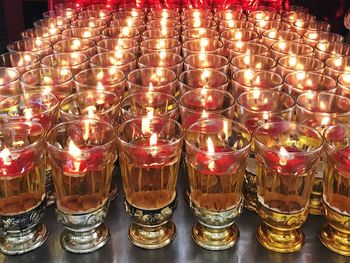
(198, 23)
(150, 153)
(167, 45)
(237, 35)
(335, 234)
(98, 14)
(207, 60)
(97, 7)
(296, 83)
(292, 16)
(313, 38)
(202, 103)
(256, 107)
(124, 61)
(203, 45)
(152, 79)
(39, 47)
(83, 33)
(266, 15)
(165, 13)
(121, 32)
(234, 24)
(261, 26)
(137, 23)
(90, 22)
(344, 85)
(149, 103)
(202, 78)
(171, 61)
(164, 24)
(196, 13)
(281, 49)
(198, 33)
(124, 13)
(64, 6)
(86, 46)
(326, 50)
(101, 79)
(48, 80)
(273, 36)
(74, 62)
(246, 48)
(82, 154)
(53, 22)
(122, 44)
(216, 156)
(246, 79)
(68, 13)
(301, 27)
(291, 63)
(320, 110)
(228, 15)
(20, 61)
(252, 61)
(22, 187)
(287, 156)
(9, 83)
(160, 33)
(336, 66)
(48, 34)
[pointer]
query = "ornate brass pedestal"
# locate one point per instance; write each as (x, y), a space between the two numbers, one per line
(249, 185)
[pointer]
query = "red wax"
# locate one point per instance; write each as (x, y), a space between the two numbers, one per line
(342, 161)
(219, 163)
(294, 164)
(18, 165)
(253, 123)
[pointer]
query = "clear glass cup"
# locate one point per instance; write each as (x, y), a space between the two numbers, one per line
(261, 26)
(22, 199)
(202, 78)
(246, 48)
(53, 22)
(160, 33)
(198, 23)
(231, 36)
(272, 36)
(207, 60)
(82, 33)
(313, 38)
(335, 234)
(202, 45)
(48, 80)
(301, 27)
(168, 45)
(164, 24)
(124, 61)
(86, 46)
(152, 79)
(69, 13)
(296, 83)
(122, 44)
(216, 156)
(101, 79)
(9, 83)
(20, 61)
(133, 12)
(344, 85)
(284, 48)
(326, 50)
(228, 15)
(197, 33)
(292, 16)
(198, 13)
(266, 15)
(82, 154)
(121, 32)
(254, 108)
(149, 103)
(98, 14)
(168, 60)
(287, 156)
(163, 12)
(336, 66)
(74, 62)
(246, 79)
(52, 35)
(291, 63)
(151, 147)
(252, 61)
(130, 22)
(38, 46)
(90, 22)
(234, 24)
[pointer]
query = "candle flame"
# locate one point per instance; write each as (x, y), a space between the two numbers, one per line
(292, 61)
(283, 45)
(74, 150)
(76, 44)
(87, 34)
(346, 78)
(238, 36)
(225, 129)
(249, 75)
(256, 94)
(239, 44)
(100, 86)
(301, 75)
(28, 114)
(325, 121)
(205, 75)
(91, 111)
(313, 35)
(203, 43)
(283, 155)
(204, 115)
(210, 146)
(309, 83)
(246, 60)
(5, 155)
(145, 124)
(338, 62)
(265, 116)
(153, 139)
(229, 16)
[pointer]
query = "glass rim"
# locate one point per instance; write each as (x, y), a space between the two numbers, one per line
(85, 71)
(221, 57)
(307, 73)
(178, 43)
(175, 33)
(288, 32)
(296, 125)
(274, 86)
(237, 125)
(55, 55)
(43, 69)
(68, 100)
(106, 40)
(291, 43)
(341, 82)
(332, 45)
(107, 35)
(21, 53)
(329, 128)
(12, 80)
(185, 44)
(12, 47)
(95, 147)
(229, 46)
(239, 102)
(184, 33)
(131, 145)
(223, 92)
(95, 32)
(110, 52)
(41, 29)
(306, 58)
(74, 24)
(259, 56)
(312, 93)
(189, 71)
(328, 61)
(171, 81)
(29, 125)
(179, 57)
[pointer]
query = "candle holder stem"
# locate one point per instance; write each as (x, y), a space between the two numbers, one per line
(84, 233)
(50, 189)
(316, 206)
(23, 232)
(281, 232)
(335, 235)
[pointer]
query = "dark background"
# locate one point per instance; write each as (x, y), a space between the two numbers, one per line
(16, 15)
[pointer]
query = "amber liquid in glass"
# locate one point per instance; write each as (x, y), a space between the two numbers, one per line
(79, 193)
(149, 183)
(22, 193)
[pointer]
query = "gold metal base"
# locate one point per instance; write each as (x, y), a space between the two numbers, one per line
(334, 240)
(316, 204)
(187, 195)
(215, 238)
(280, 241)
(152, 237)
(249, 187)
(250, 201)
(113, 191)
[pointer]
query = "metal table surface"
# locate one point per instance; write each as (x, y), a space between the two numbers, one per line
(182, 249)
